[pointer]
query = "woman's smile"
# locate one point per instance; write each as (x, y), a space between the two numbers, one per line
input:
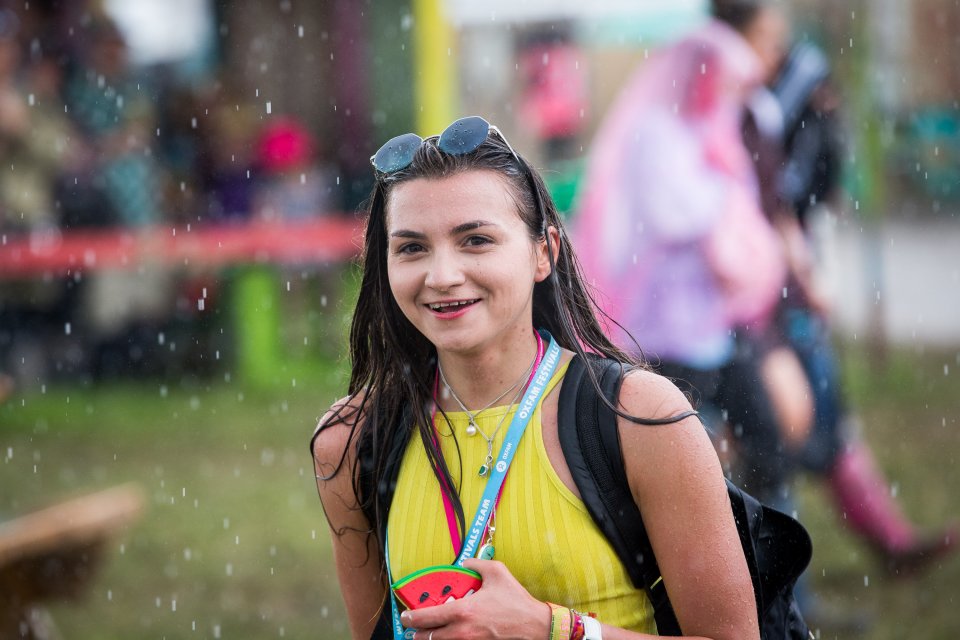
(451, 308)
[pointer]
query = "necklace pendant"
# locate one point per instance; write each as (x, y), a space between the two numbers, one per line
(471, 429)
(484, 470)
(486, 552)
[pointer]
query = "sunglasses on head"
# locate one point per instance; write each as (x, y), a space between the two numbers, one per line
(460, 138)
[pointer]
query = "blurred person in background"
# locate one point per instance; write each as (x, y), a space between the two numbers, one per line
(672, 236)
(295, 183)
(792, 130)
(122, 310)
(837, 451)
(39, 146)
(116, 111)
(227, 156)
(764, 25)
(553, 94)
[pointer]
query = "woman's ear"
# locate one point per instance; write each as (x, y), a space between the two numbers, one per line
(551, 239)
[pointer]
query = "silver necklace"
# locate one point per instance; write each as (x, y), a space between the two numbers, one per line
(473, 427)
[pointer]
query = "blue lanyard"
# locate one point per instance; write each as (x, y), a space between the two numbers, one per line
(498, 474)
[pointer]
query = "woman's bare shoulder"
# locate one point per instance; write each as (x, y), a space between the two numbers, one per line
(680, 445)
(646, 394)
(337, 428)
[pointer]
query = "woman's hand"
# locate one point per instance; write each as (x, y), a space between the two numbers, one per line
(501, 608)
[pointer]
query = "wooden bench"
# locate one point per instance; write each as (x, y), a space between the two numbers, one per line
(51, 555)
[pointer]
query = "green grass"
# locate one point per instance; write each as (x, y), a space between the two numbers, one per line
(909, 407)
(234, 545)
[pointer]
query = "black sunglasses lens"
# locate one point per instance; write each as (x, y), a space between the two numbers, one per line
(464, 135)
(397, 153)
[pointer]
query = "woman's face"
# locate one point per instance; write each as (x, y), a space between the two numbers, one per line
(768, 34)
(460, 260)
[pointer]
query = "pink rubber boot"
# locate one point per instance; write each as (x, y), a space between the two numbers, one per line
(862, 494)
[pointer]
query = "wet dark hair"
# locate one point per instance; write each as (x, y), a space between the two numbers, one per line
(737, 13)
(393, 364)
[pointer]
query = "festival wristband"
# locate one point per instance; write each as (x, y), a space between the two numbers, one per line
(560, 622)
(591, 629)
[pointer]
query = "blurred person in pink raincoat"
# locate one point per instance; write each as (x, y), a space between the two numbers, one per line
(670, 232)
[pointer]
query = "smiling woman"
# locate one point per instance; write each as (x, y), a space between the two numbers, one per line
(470, 310)
(461, 265)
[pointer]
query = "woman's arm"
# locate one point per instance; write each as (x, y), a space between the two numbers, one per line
(677, 482)
(355, 551)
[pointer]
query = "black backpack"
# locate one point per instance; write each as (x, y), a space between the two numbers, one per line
(776, 546)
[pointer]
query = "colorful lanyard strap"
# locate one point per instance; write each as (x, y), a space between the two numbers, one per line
(518, 425)
(455, 540)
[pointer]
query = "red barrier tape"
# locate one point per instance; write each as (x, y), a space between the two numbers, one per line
(316, 241)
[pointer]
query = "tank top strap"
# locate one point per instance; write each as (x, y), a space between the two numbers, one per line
(556, 378)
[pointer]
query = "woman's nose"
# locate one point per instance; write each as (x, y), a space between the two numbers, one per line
(444, 272)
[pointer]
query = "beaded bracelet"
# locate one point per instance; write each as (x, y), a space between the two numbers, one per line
(576, 631)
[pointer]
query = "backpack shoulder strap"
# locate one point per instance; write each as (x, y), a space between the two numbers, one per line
(587, 429)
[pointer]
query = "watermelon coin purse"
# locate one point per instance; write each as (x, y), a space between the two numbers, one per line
(435, 585)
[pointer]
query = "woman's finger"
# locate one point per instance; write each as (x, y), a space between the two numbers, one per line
(430, 617)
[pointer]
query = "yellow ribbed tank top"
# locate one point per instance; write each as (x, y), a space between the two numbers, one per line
(544, 534)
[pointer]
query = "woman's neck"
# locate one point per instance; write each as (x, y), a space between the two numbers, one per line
(477, 379)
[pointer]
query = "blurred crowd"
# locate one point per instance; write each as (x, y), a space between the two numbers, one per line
(90, 141)
(695, 225)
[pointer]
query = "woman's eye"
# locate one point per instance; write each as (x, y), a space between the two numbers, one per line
(477, 241)
(409, 248)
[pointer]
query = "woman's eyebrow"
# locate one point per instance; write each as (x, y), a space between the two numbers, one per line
(407, 233)
(457, 230)
(471, 226)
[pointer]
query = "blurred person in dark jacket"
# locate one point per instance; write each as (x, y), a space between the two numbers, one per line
(837, 451)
